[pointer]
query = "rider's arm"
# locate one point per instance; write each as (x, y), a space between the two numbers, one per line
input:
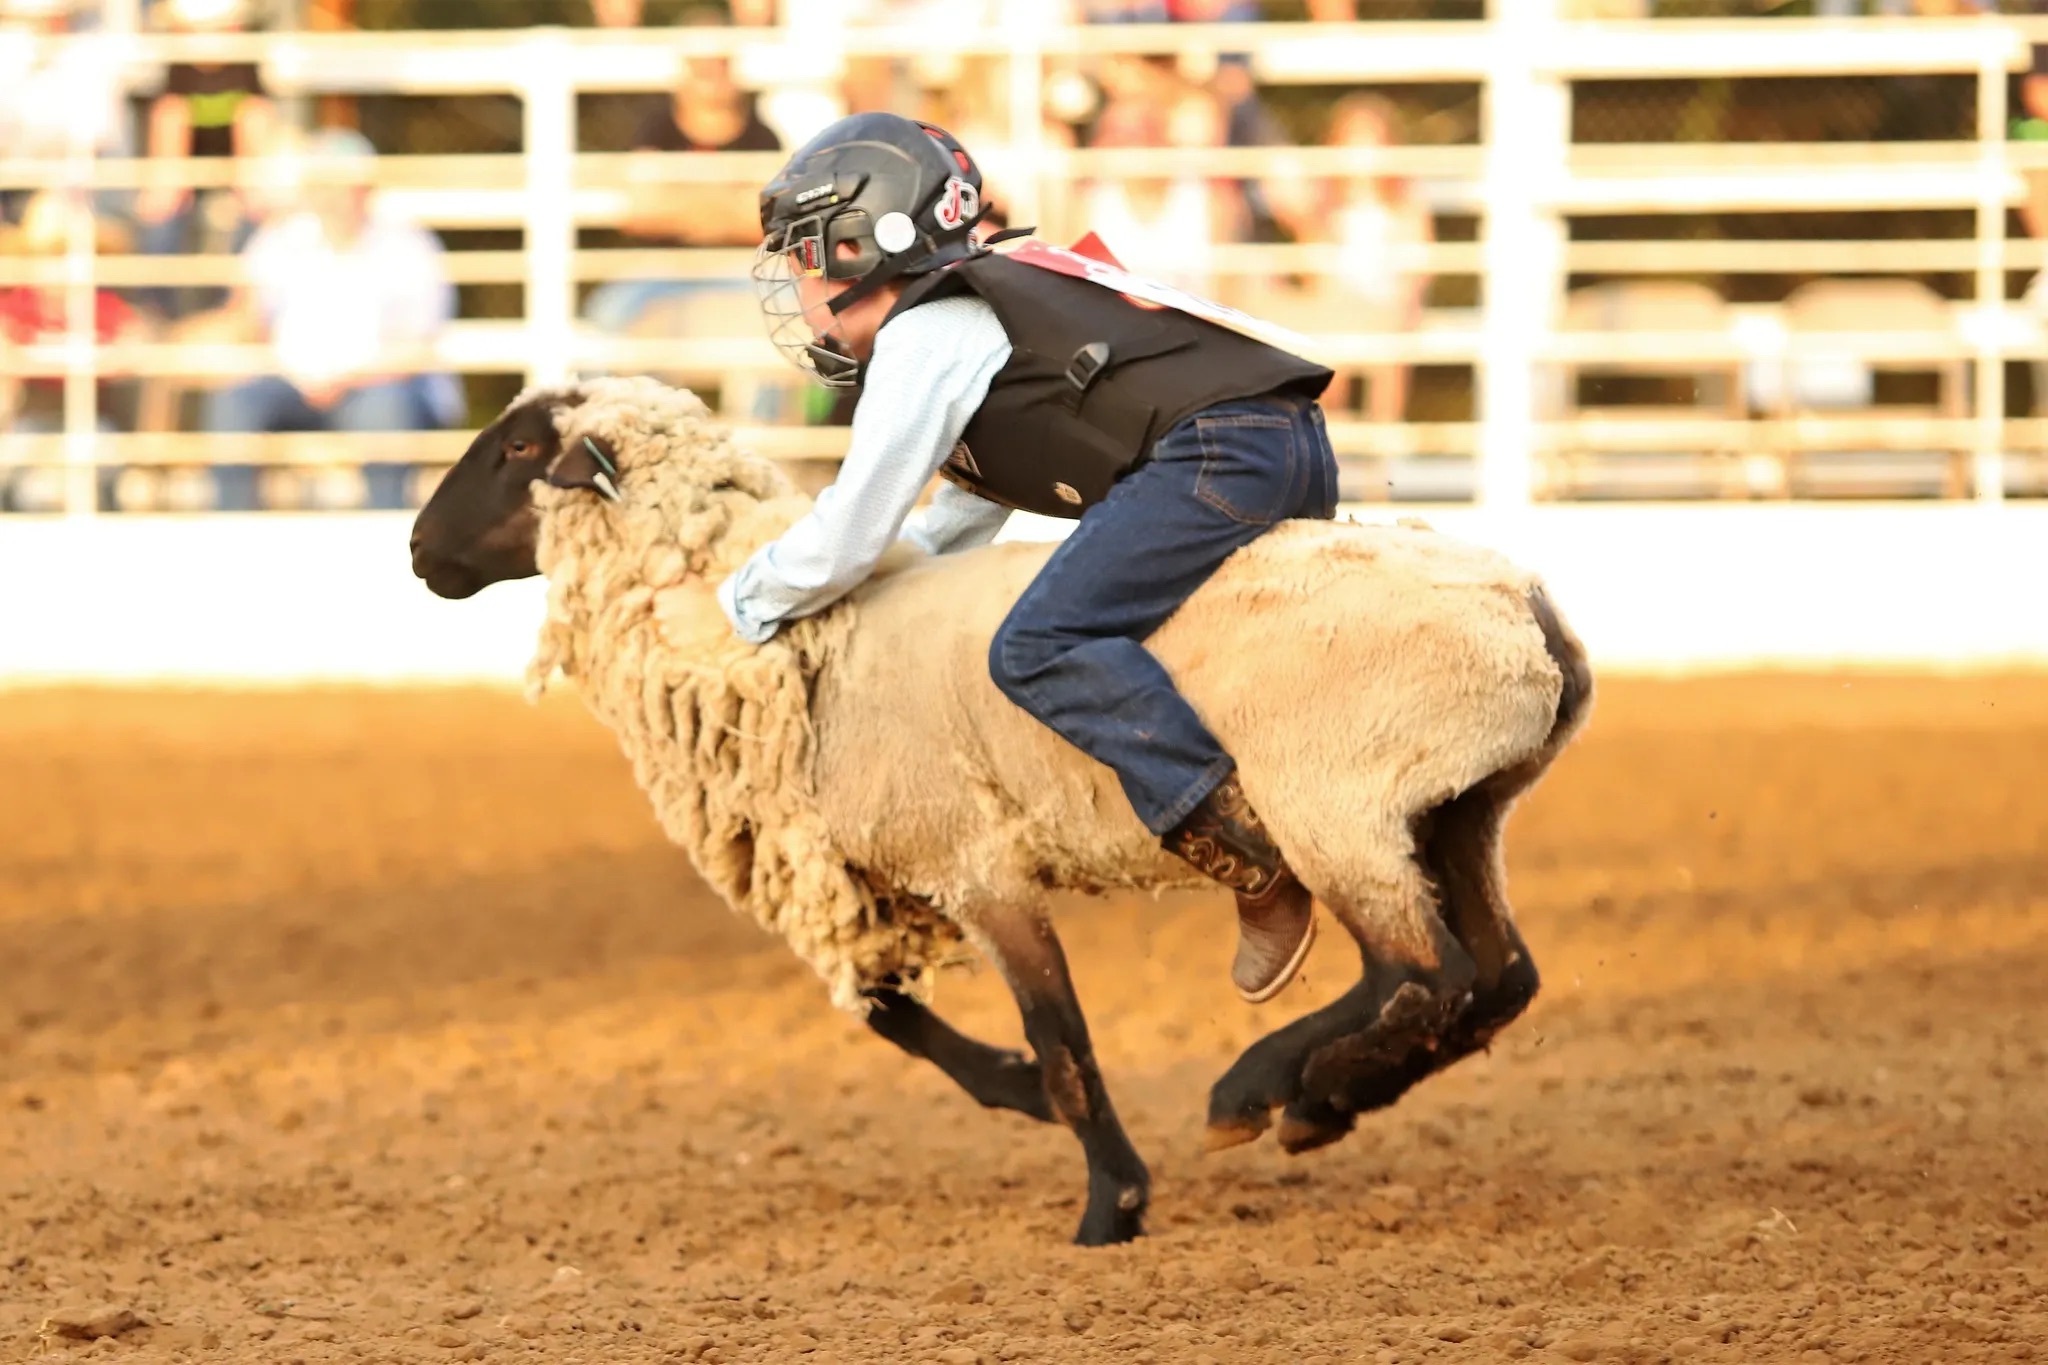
(956, 520)
(930, 371)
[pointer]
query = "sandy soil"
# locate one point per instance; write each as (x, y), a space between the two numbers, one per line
(383, 1027)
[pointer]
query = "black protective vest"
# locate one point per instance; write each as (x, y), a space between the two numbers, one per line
(1093, 380)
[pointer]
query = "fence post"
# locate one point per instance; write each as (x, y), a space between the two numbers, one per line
(121, 17)
(547, 88)
(1024, 202)
(1993, 173)
(1527, 133)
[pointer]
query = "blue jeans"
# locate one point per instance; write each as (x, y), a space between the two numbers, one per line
(273, 404)
(185, 231)
(1070, 651)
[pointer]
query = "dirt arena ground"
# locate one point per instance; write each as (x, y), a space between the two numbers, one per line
(384, 1027)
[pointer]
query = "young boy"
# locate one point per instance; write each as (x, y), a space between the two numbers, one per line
(1030, 384)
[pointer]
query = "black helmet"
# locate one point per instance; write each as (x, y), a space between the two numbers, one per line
(904, 193)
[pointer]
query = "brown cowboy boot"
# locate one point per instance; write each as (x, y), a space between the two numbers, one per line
(1223, 838)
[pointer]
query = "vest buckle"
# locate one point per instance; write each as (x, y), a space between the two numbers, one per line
(1085, 365)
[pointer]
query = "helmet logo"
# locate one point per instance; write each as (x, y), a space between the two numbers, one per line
(958, 203)
(814, 192)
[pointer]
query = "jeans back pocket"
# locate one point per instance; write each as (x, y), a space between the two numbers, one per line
(1249, 466)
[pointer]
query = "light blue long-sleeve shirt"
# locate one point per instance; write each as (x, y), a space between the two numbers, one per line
(929, 374)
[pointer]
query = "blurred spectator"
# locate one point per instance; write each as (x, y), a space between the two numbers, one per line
(616, 13)
(1166, 227)
(206, 109)
(1214, 11)
(1380, 227)
(904, 81)
(328, 108)
(708, 112)
(969, 97)
(1247, 120)
(633, 13)
(328, 16)
(1927, 9)
(1123, 11)
(51, 97)
(1913, 105)
(34, 314)
(2030, 124)
(966, 96)
(1167, 11)
(334, 288)
(1935, 9)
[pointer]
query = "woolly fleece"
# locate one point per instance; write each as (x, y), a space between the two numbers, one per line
(718, 731)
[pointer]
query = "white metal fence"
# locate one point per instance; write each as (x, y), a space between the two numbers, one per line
(1523, 178)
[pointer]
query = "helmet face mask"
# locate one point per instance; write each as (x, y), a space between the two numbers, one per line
(779, 273)
(873, 198)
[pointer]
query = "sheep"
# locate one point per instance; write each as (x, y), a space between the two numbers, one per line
(858, 785)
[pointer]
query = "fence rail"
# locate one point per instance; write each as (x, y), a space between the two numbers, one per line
(1664, 258)
(1445, 337)
(1380, 440)
(1523, 179)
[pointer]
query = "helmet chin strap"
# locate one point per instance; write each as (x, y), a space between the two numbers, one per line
(865, 286)
(834, 366)
(895, 269)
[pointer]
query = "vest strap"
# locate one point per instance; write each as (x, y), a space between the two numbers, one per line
(1083, 368)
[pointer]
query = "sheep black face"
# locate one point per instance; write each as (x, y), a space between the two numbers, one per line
(479, 527)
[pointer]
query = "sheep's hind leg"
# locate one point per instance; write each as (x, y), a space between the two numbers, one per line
(1027, 952)
(1460, 848)
(1493, 1007)
(997, 1078)
(1335, 1093)
(1457, 847)
(1366, 1048)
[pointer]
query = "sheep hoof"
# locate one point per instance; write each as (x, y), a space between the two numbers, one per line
(1223, 1134)
(1304, 1133)
(1113, 1218)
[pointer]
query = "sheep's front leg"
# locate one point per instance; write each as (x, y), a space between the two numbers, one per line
(997, 1078)
(1027, 952)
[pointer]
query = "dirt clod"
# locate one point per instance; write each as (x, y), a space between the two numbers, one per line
(91, 1322)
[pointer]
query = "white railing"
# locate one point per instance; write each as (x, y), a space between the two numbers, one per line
(1522, 179)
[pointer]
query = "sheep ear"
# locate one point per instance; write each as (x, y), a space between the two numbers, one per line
(589, 463)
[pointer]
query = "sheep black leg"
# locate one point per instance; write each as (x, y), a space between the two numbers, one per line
(1372, 1036)
(1337, 1088)
(1494, 1007)
(1119, 1187)
(997, 1078)
(1480, 977)
(1458, 848)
